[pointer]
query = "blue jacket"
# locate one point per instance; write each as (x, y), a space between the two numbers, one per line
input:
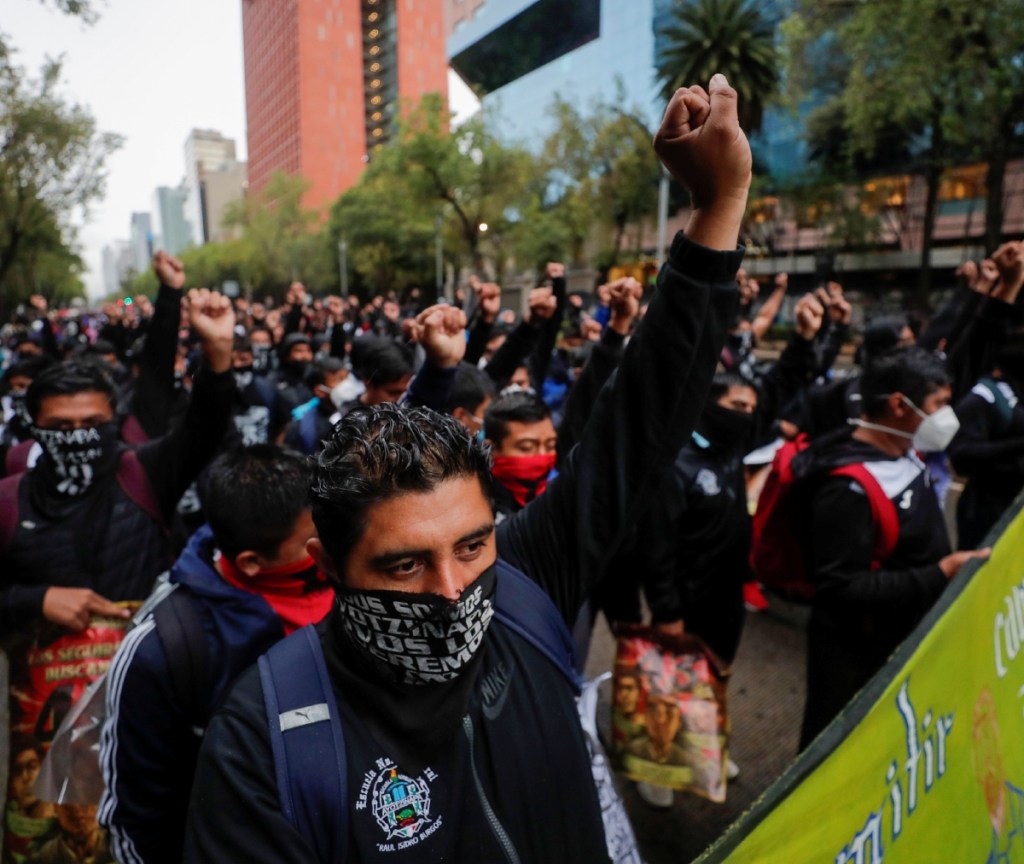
(149, 745)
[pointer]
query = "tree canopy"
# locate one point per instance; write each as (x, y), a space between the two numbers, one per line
(52, 169)
(733, 37)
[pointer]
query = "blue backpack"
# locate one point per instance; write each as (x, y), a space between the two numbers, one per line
(305, 725)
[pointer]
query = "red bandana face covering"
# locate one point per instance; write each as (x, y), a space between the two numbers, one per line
(525, 477)
(297, 592)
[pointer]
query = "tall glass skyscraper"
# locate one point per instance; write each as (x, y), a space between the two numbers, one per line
(522, 53)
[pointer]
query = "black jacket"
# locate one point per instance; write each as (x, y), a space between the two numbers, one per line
(109, 544)
(693, 549)
(871, 610)
(506, 731)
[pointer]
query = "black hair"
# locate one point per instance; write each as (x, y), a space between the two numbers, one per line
(80, 375)
(242, 344)
(470, 388)
(30, 367)
(317, 371)
(384, 363)
(381, 451)
(880, 335)
(725, 381)
(100, 347)
(516, 407)
(253, 497)
(22, 741)
(912, 371)
(1009, 357)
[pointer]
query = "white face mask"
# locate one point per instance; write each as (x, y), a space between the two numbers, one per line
(346, 391)
(936, 430)
(932, 436)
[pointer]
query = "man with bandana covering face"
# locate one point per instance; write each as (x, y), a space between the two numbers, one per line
(462, 739)
(81, 539)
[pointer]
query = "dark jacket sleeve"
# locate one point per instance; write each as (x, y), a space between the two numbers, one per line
(155, 392)
(431, 388)
(975, 445)
(476, 343)
(604, 358)
(512, 353)
(171, 463)
(656, 553)
(793, 371)
(145, 743)
(974, 353)
(235, 814)
(540, 356)
(565, 538)
(827, 347)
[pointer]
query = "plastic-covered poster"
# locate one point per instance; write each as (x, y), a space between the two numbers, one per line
(669, 721)
(47, 676)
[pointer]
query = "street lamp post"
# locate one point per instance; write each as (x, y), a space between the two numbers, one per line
(343, 265)
(662, 217)
(438, 257)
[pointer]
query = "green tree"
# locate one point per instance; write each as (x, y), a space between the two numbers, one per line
(481, 180)
(281, 241)
(389, 234)
(947, 74)
(52, 168)
(729, 36)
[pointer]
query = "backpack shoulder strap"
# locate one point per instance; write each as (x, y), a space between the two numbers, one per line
(524, 607)
(307, 742)
(1004, 409)
(133, 479)
(188, 654)
(307, 429)
(9, 487)
(883, 511)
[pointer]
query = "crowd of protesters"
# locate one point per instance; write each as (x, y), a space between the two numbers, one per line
(247, 469)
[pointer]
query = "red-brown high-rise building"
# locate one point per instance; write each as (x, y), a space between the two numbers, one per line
(324, 80)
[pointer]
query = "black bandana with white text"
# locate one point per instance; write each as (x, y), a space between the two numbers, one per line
(419, 638)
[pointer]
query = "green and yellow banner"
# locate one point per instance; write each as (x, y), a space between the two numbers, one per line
(927, 764)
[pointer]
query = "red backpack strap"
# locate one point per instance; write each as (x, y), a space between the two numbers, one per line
(16, 461)
(133, 479)
(8, 509)
(883, 511)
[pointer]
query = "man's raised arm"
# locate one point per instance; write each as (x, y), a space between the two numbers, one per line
(646, 413)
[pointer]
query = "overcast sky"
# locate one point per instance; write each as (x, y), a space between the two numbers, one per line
(150, 70)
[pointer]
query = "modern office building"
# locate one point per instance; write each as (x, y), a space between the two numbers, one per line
(171, 229)
(221, 187)
(600, 51)
(206, 151)
(325, 78)
(117, 262)
(141, 242)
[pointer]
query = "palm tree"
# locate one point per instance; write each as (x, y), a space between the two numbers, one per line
(728, 36)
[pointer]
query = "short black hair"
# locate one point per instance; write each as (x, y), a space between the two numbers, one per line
(80, 375)
(30, 367)
(384, 450)
(384, 363)
(517, 407)
(912, 371)
(723, 382)
(470, 388)
(253, 497)
(317, 371)
(242, 344)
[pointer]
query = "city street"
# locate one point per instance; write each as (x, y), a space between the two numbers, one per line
(766, 697)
